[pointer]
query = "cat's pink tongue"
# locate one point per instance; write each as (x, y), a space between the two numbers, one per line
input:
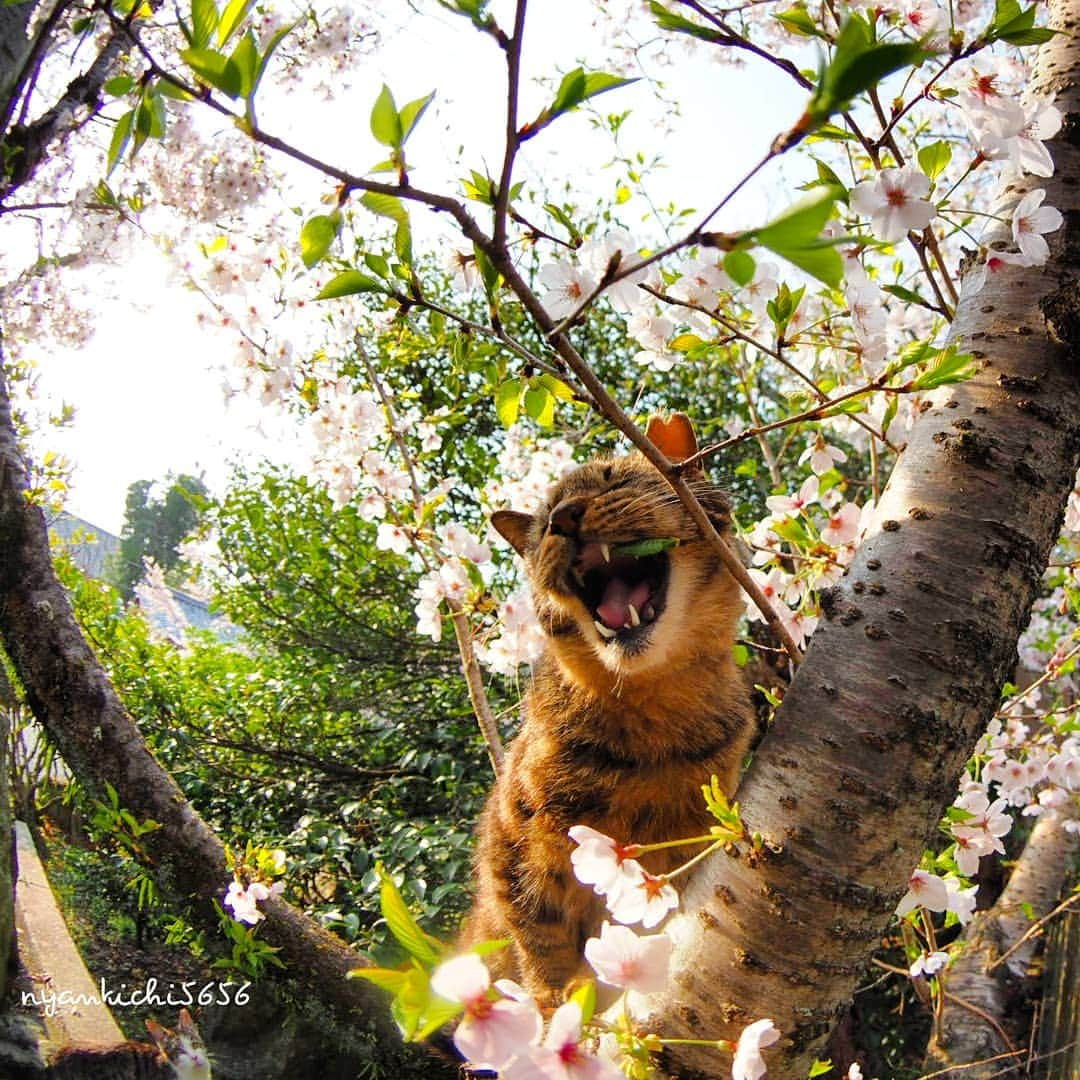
(618, 596)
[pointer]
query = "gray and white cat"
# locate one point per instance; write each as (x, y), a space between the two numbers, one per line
(173, 1055)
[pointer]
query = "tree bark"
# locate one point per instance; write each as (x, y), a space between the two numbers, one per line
(906, 668)
(963, 1036)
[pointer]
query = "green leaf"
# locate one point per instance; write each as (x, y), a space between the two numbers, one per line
(576, 87)
(935, 158)
(950, 367)
(556, 387)
(403, 926)
(585, 998)
(214, 69)
(508, 401)
(796, 236)
(385, 121)
(236, 11)
(389, 206)
(403, 243)
(387, 978)
(348, 283)
(1037, 35)
(246, 59)
(411, 113)
(739, 266)
(540, 405)
(798, 20)
(820, 1068)
(668, 20)
(858, 63)
(640, 548)
(118, 87)
(909, 296)
(204, 21)
(317, 235)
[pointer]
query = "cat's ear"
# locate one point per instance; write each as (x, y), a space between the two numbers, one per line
(157, 1033)
(674, 437)
(513, 526)
(186, 1024)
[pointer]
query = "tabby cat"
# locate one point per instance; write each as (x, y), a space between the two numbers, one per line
(635, 702)
(174, 1055)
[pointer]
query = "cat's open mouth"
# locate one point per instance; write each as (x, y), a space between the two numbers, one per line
(624, 593)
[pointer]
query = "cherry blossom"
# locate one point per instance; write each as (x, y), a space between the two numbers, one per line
(926, 890)
(631, 962)
(821, 455)
(895, 201)
(927, 964)
(567, 286)
(243, 901)
(492, 1032)
(748, 1063)
(1015, 133)
(561, 1056)
(783, 506)
(1030, 220)
(602, 862)
(960, 898)
(646, 900)
(843, 526)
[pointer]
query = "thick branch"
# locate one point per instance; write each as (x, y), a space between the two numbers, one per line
(906, 668)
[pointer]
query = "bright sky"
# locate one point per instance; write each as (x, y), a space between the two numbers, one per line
(148, 387)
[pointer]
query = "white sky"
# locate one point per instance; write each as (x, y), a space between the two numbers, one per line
(148, 387)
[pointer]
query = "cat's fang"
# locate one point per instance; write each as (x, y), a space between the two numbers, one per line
(605, 550)
(635, 618)
(604, 631)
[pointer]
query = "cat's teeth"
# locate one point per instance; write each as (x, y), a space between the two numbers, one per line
(635, 618)
(605, 550)
(604, 631)
(648, 612)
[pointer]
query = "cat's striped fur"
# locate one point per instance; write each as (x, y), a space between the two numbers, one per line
(173, 1055)
(634, 704)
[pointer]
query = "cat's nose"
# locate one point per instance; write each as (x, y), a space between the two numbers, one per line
(566, 517)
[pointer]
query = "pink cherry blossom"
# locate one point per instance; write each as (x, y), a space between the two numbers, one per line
(926, 890)
(561, 1056)
(748, 1063)
(895, 202)
(843, 525)
(622, 958)
(492, 1032)
(783, 506)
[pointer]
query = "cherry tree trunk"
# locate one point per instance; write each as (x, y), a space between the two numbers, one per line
(907, 665)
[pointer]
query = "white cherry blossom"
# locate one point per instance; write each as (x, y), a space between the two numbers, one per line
(748, 1063)
(1030, 220)
(926, 890)
(895, 202)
